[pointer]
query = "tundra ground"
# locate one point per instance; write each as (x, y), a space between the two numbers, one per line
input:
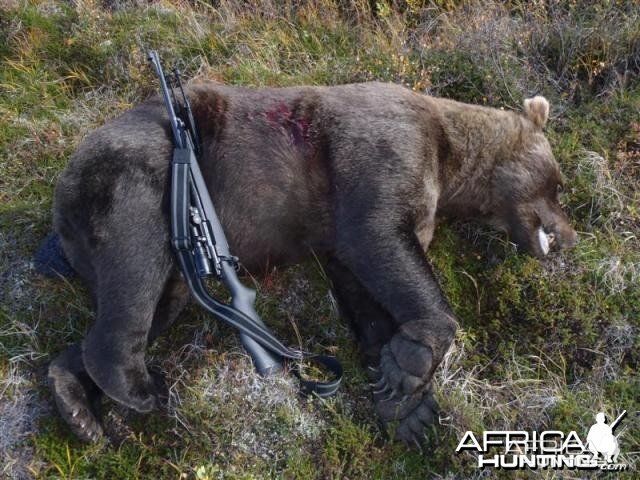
(542, 345)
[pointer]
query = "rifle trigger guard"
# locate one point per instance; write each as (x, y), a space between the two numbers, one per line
(232, 260)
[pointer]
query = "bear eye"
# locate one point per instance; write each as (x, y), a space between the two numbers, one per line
(559, 188)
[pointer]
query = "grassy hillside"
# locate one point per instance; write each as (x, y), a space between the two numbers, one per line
(542, 345)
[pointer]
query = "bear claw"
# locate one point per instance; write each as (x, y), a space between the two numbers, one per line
(409, 404)
(411, 418)
(398, 372)
(381, 386)
(74, 403)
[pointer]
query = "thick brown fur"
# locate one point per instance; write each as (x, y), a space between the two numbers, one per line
(355, 173)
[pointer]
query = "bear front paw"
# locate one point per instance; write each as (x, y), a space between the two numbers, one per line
(405, 368)
(402, 393)
(410, 416)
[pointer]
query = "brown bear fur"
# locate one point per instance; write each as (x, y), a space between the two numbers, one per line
(355, 174)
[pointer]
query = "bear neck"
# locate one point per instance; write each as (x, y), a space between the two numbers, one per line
(478, 138)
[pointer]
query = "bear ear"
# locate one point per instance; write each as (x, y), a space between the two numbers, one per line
(537, 110)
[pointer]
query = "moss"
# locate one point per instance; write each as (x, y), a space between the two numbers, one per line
(67, 458)
(300, 466)
(556, 339)
(346, 451)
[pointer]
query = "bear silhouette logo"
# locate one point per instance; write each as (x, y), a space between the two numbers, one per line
(601, 440)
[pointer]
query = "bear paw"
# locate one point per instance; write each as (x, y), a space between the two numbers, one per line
(405, 368)
(410, 416)
(77, 406)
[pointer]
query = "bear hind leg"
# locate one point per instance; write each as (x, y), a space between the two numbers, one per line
(113, 351)
(174, 299)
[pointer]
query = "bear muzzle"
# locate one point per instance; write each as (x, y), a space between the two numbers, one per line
(560, 239)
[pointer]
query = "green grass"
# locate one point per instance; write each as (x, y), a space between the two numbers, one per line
(541, 345)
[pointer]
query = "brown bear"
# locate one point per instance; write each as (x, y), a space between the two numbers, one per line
(355, 174)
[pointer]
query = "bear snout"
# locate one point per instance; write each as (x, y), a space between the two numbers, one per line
(567, 238)
(555, 239)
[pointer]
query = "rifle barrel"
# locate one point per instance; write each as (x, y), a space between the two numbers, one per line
(173, 120)
(615, 423)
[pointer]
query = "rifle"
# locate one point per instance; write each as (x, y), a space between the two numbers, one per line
(202, 250)
(617, 420)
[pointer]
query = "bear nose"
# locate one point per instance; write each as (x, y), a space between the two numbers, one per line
(551, 238)
(568, 239)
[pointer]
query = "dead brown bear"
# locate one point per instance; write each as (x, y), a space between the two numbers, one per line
(355, 173)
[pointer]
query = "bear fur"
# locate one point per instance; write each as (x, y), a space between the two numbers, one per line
(355, 174)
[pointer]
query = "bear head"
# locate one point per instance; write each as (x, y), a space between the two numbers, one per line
(526, 188)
